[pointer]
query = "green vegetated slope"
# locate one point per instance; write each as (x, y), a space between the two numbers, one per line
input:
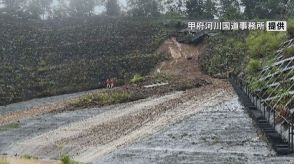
(42, 58)
(241, 51)
(246, 54)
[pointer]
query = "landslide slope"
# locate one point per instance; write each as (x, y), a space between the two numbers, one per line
(42, 58)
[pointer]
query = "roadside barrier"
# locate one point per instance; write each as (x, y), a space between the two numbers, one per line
(267, 118)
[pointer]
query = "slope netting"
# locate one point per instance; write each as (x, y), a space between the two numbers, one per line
(278, 83)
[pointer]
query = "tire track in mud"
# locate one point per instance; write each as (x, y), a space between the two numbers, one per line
(28, 109)
(218, 134)
(101, 134)
(25, 114)
(88, 139)
(189, 104)
(48, 144)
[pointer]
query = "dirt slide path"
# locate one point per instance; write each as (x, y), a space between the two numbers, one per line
(183, 59)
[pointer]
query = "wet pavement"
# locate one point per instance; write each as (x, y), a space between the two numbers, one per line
(219, 134)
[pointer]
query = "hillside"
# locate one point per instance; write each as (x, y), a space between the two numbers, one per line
(203, 124)
(43, 58)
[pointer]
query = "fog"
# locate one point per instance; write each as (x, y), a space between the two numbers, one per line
(98, 9)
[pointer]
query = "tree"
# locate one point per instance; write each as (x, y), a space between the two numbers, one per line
(61, 10)
(45, 6)
(13, 6)
(82, 7)
(112, 8)
(249, 11)
(230, 9)
(145, 8)
(39, 8)
(195, 9)
(269, 9)
(290, 8)
(209, 9)
(275, 9)
(34, 9)
(174, 8)
(200, 9)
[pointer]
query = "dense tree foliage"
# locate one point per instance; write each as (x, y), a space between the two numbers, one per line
(199, 9)
(175, 5)
(195, 9)
(13, 5)
(143, 8)
(81, 7)
(226, 53)
(268, 9)
(290, 8)
(112, 8)
(60, 11)
(230, 9)
(38, 8)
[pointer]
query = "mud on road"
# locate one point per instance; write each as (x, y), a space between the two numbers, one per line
(87, 134)
(218, 134)
(201, 125)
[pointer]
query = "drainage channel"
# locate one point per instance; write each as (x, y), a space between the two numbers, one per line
(262, 119)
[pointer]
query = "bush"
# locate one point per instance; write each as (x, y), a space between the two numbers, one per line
(225, 54)
(26, 156)
(105, 98)
(262, 44)
(255, 83)
(289, 52)
(65, 159)
(291, 27)
(253, 67)
(136, 79)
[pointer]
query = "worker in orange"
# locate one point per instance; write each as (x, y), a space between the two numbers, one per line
(111, 83)
(108, 83)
